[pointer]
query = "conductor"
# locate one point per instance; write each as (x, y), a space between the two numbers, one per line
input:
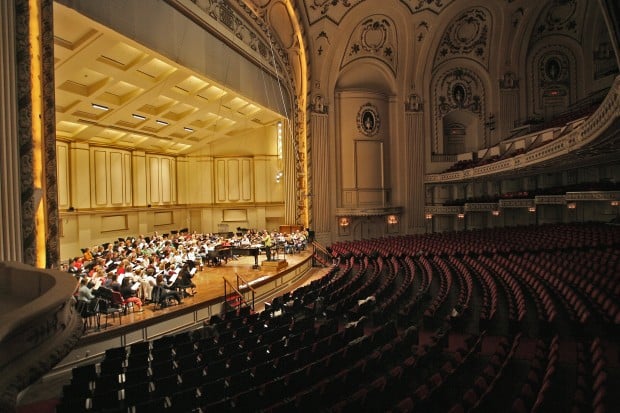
(267, 244)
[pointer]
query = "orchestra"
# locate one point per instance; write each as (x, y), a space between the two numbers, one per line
(176, 257)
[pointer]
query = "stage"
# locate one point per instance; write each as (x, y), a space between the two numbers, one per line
(209, 291)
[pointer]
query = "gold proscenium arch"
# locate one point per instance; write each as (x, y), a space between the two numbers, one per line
(302, 100)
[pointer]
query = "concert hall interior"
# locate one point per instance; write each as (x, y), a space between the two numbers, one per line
(309, 205)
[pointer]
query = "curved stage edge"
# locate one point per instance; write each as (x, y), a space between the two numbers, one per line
(191, 314)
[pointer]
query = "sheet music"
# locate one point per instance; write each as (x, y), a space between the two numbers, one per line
(97, 284)
(173, 278)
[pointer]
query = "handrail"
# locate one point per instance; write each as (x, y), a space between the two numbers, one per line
(244, 282)
(320, 254)
(247, 284)
(239, 293)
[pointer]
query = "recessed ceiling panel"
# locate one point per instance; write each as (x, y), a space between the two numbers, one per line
(120, 56)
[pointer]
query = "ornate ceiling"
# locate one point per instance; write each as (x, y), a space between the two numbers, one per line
(153, 104)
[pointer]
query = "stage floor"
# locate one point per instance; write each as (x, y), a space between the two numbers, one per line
(209, 285)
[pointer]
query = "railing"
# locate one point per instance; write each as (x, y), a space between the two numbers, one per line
(250, 289)
(320, 255)
(238, 298)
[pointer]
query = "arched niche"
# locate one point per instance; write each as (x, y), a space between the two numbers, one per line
(460, 130)
(363, 93)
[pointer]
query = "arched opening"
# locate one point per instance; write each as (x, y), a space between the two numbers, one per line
(461, 132)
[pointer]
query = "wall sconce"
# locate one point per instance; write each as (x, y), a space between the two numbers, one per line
(531, 209)
(460, 216)
(344, 222)
(571, 205)
(495, 213)
(428, 216)
(392, 219)
(615, 203)
(279, 176)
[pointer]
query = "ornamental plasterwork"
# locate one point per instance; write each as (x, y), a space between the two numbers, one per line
(375, 37)
(553, 73)
(368, 121)
(436, 6)
(459, 89)
(560, 17)
(480, 206)
(516, 203)
(593, 196)
(223, 13)
(550, 199)
(333, 10)
(466, 36)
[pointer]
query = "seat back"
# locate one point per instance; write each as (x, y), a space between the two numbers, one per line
(156, 294)
(117, 299)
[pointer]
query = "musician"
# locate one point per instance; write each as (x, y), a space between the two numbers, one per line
(267, 243)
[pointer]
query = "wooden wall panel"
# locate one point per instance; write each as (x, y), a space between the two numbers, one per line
(233, 179)
(111, 223)
(166, 176)
(127, 176)
(246, 180)
(154, 175)
(116, 178)
(100, 178)
(220, 166)
(369, 164)
(62, 172)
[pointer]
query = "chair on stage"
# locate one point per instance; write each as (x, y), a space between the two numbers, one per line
(106, 307)
(89, 310)
(118, 301)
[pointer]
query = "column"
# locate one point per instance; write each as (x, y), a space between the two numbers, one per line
(10, 201)
(415, 153)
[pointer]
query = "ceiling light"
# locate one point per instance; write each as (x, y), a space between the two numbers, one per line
(100, 107)
(135, 115)
(188, 129)
(161, 122)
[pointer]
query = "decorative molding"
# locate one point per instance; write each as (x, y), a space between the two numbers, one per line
(466, 36)
(368, 212)
(38, 334)
(318, 106)
(417, 6)
(333, 10)
(550, 199)
(460, 91)
(443, 210)
(575, 141)
(457, 89)
(593, 196)
(227, 19)
(560, 18)
(375, 38)
(414, 103)
(24, 131)
(481, 207)
(368, 120)
(517, 203)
